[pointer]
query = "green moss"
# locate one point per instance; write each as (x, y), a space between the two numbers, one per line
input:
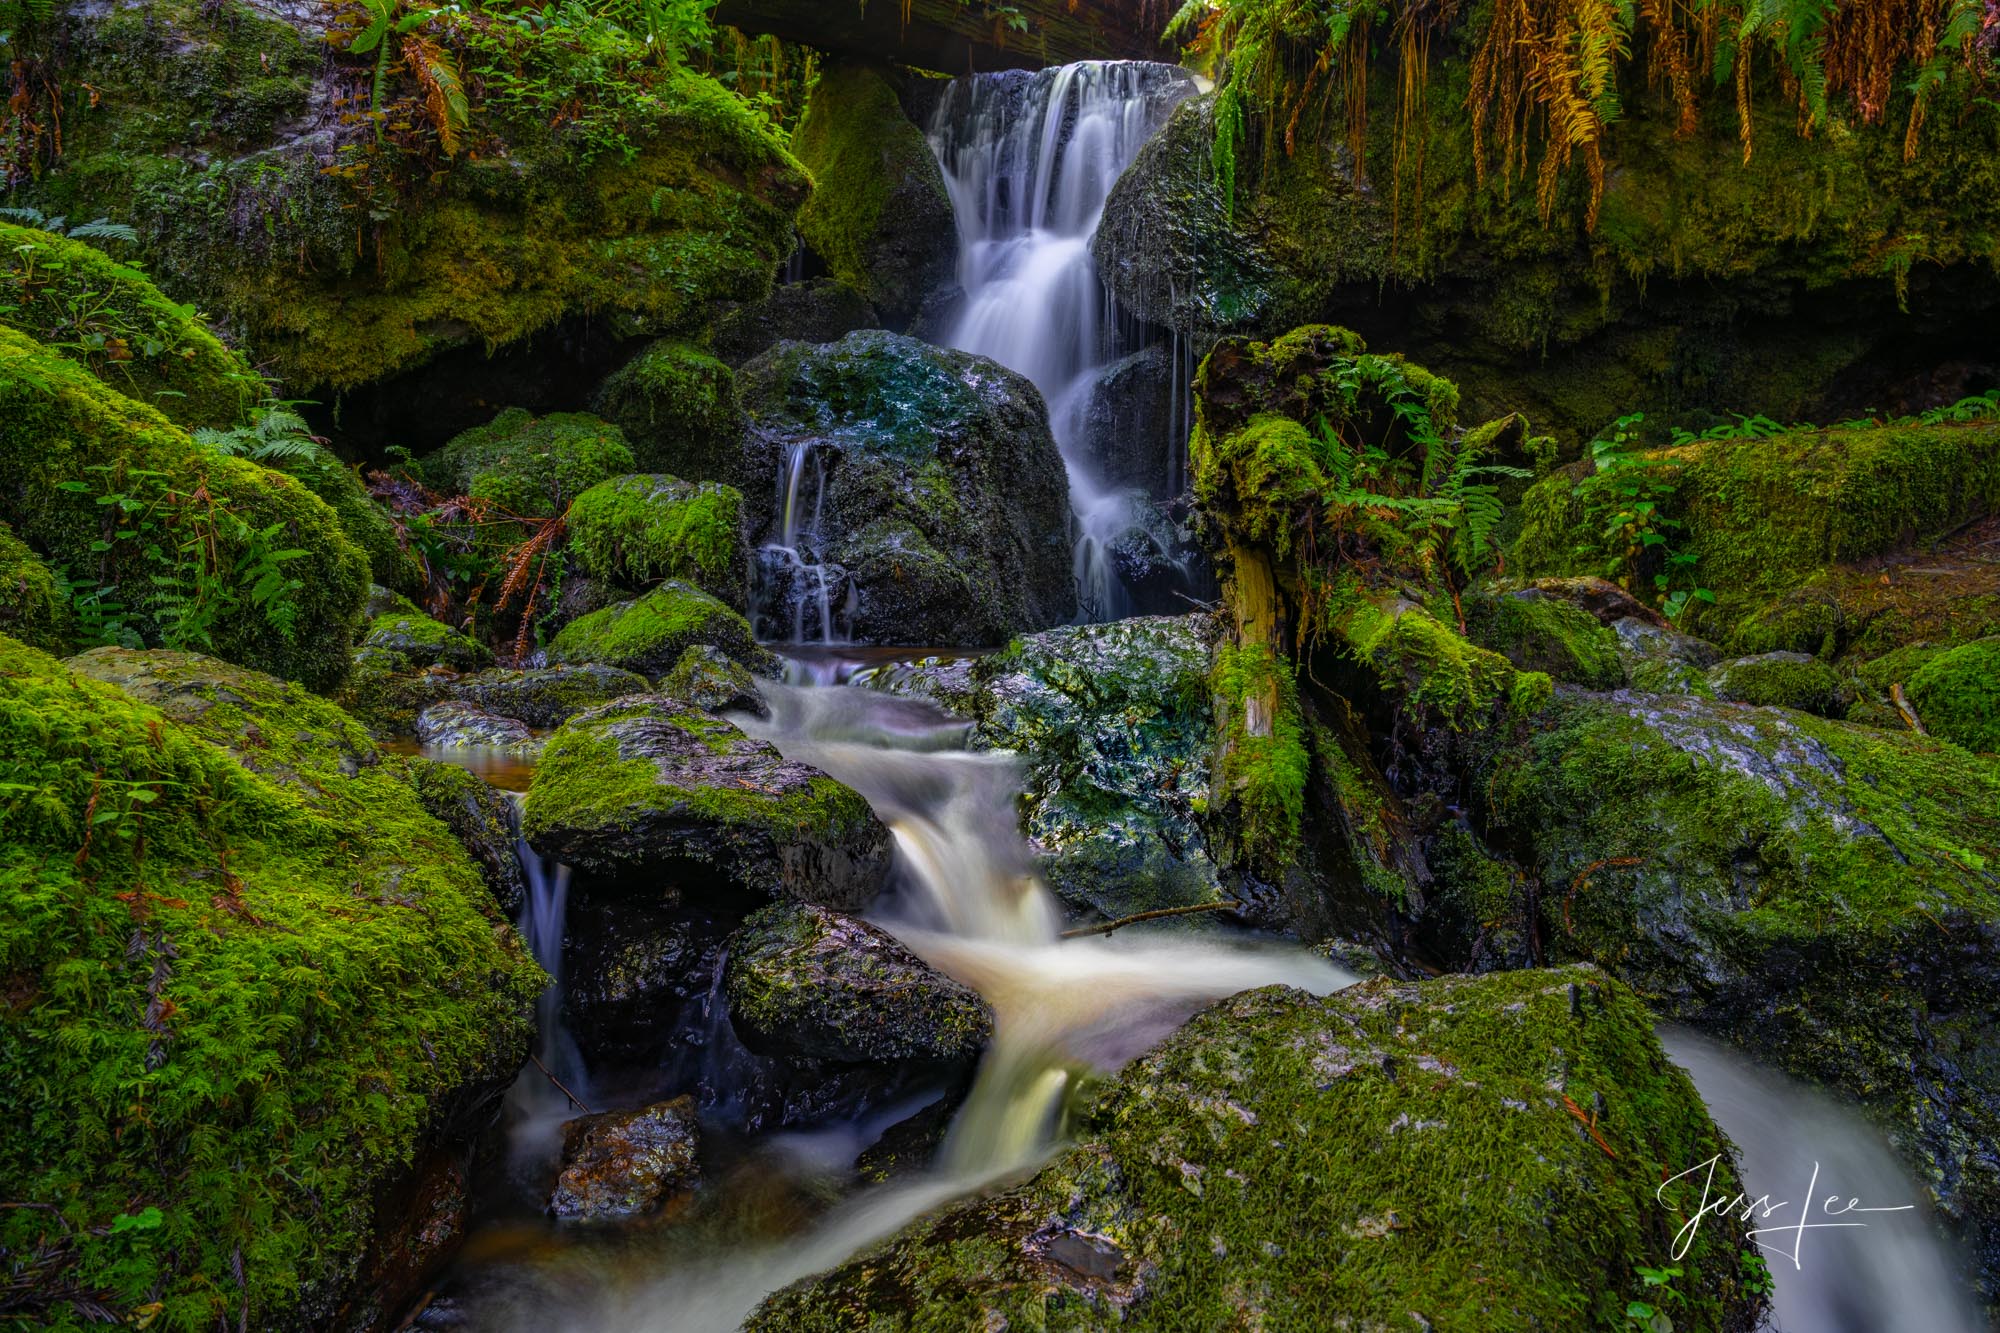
(877, 188)
(109, 317)
(366, 523)
(399, 628)
(1765, 515)
(650, 634)
(1784, 680)
(58, 423)
(641, 529)
(33, 605)
(528, 466)
(1537, 632)
(677, 406)
(1261, 761)
(1957, 695)
(247, 998)
(1420, 661)
(1390, 1151)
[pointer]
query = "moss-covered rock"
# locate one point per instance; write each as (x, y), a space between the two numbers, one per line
(111, 319)
(1449, 1179)
(677, 406)
(709, 679)
(1783, 680)
(397, 628)
(296, 971)
(67, 440)
(485, 821)
(455, 725)
(1427, 666)
(810, 984)
(646, 780)
(546, 697)
(1957, 695)
(1822, 894)
(818, 310)
(879, 214)
(1763, 516)
(941, 502)
(530, 466)
(1537, 631)
(34, 607)
(1661, 660)
(638, 530)
(650, 634)
(603, 181)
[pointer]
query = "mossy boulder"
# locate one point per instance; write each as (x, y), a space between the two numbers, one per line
(1820, 893)
(641, 191)
(879, 214)
(1783, 680)
(34, 607)
(818, 310)
(677, 406)
(1661, 660)
(1113, 727)
(110, 318)
(646, 781)
(1449, 1179)
(298, 972)
(484, 819)
(1428, 667)
(67, 439)
(1538, 631)
(1957, 695)
(455, 725)
(711, 680)
(639, 530)
(941, 503)
(650, 634)
(810, 984)
(546, 697)
(529, 466)
(1763, 516)
(397, 628)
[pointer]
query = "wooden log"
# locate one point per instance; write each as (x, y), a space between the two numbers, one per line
(957, 37)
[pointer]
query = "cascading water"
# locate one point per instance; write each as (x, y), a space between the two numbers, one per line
(970, 903)
(535, 1105)
(796, 585)
(1029, 160)
(1797, 1147)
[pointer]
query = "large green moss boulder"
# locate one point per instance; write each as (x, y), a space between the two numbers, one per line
(255, 991)
(1538, 631)
(110, 318)
(528, 466)
(1467, 1153)
(647, 781)
(1114, 728)
(650, 634)
(1823, 894)
(637, 530)
(677, 406)
(397, 629)
(587, 176)
(931, 497)
(547, 696)
(1762, 516)
(34, 606)
(1957, 694)
(222, 554)
(810, 984)
(1783, 680)
(879, 214)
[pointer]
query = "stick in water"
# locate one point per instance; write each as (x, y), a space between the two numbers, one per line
(575, 1100)
(1107, 927)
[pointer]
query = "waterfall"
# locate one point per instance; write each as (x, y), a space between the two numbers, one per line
(535, 1106)
(1029, 160)
(796, 590)
(1892, 1273)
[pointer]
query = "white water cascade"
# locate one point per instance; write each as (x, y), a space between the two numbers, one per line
(536, 1107)
(1029, 160)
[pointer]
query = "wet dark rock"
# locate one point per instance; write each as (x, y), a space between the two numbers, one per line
(639, 976)
(819, 310)
(909, 1146)
(620, 1164)
(1114, 726)
(547, 697)
(942, 503)
(1658, 660)
(425, 1225)
(710, 680)
(1128, 422)
(810, 984)
(648, 782)
(484, 819)
(458, 725)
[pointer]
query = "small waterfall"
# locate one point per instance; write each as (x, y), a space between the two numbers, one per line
(1029, 160)
(797, 589)
(535, 1105)
(1792, 1142)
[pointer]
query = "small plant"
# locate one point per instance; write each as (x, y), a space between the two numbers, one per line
(276, 433)
(1757, 1275)
(1626, 494)
(1651, 1312)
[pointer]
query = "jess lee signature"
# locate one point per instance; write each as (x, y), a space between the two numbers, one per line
(1763, 1209)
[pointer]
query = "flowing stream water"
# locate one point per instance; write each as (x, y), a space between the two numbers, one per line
(1029, 160)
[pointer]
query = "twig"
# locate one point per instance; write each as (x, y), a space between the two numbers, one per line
(1589, 1123)
(575, 1100)
(1106, 927)
(1583, 879)
(1903, 707)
